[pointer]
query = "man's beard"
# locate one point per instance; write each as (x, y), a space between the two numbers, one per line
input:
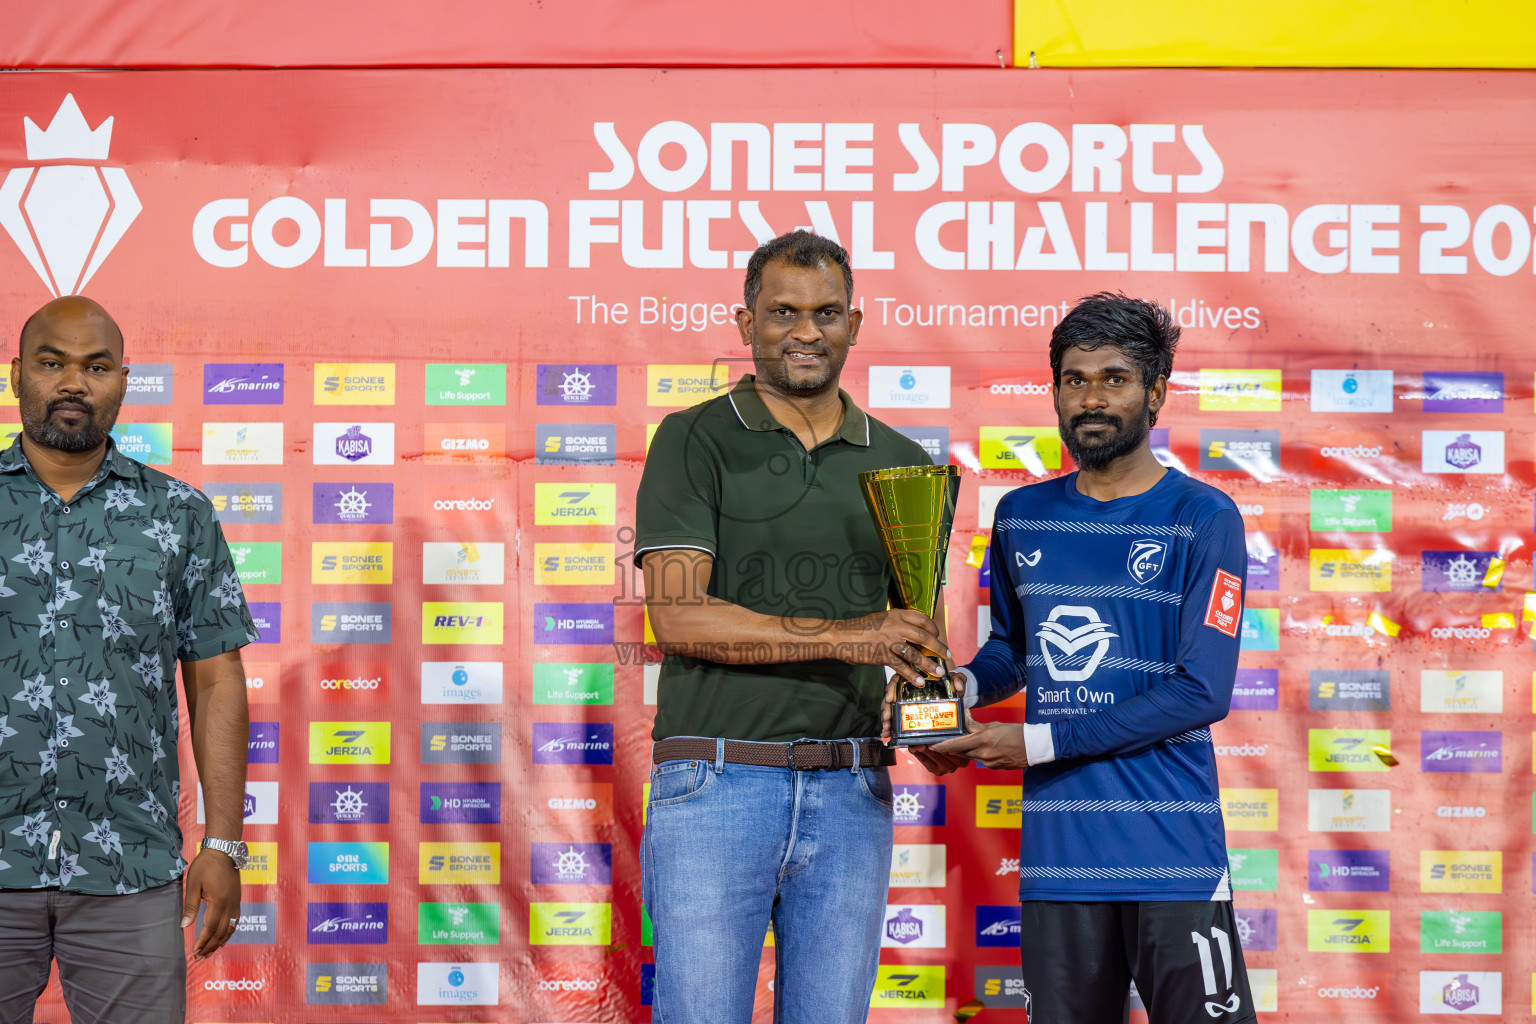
(775, 373)
(1100, 452)
(46, 432)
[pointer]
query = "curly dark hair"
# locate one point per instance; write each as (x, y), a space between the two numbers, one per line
(798, 249)
(1144, 331)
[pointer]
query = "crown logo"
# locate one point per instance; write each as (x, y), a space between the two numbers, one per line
(68, 137)
(67, 217)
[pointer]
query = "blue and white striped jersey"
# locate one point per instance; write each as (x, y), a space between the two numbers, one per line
(1121, 618)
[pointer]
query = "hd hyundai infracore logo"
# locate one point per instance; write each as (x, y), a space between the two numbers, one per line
(67, 214)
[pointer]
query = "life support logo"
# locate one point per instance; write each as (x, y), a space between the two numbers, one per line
(77, 212)
(1146, 560)
(1069, 641)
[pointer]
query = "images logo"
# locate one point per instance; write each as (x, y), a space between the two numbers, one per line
(1465, 451)
(999, 807)
(573, 565)
(149, 443)
(466, 384)
(998, 926)
(1458, 572)
(1036, 449)
(463, 924)
(572, 504)
(353, 504)
(347, 923)
(1351, 390)
(242, 444)
(572, 683)
(570, 924)
(1460, 751)
(572, 384)
(461, 803)
(461, 682)
(1240, 390)
(352, 562)
(572, 743)
(242, 383)
(1349, 931)
(457, 984)
(572, 864)
(246, 503)
(919, 805)
(77, 212)
(349, 742)
(348, 863)
(354, 444)
(350, 622)
(1351, 689)
(461, 622)
(573, 444)
(1250, 810)
(1349, 871)
(909, 387)
(459, 863)
(348, 803)
(1338, 570)
(462, 743)
(354, 383)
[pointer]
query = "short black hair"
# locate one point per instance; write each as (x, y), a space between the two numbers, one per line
(798, 249)
(1144, 331)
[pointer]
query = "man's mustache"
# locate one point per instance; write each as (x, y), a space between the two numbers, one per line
(1085, 418)
(70, 403)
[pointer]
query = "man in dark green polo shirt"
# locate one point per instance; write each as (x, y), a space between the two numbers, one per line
(110, 573)
(768, 592)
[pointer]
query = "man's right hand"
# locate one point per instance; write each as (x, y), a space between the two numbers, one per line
(895, 638)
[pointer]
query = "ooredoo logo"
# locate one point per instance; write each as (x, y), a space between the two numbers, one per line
(76, 211)
(234, 985)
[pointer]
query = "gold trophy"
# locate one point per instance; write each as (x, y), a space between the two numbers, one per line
(914, 510)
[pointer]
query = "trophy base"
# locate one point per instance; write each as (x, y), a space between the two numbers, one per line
(926, 721)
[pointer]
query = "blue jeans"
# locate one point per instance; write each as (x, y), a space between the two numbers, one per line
(729, 847)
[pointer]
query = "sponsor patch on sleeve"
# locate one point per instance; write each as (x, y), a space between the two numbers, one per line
(1224, 611)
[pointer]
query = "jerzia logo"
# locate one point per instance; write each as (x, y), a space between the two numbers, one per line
(76, 210)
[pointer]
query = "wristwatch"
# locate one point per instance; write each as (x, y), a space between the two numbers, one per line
(232, 848)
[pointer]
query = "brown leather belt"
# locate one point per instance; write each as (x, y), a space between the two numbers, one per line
(801, 755)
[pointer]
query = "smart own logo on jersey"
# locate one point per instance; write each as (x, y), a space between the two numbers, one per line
(1074, 635)
(75, 212)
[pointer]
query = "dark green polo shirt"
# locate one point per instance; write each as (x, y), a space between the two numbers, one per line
(790, 536)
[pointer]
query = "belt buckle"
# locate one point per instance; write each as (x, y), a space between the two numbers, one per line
(831, 755)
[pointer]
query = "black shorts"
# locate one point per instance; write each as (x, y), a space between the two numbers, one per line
(1079, 960)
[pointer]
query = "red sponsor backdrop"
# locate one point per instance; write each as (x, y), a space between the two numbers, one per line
(1348, 221)
(347, 33)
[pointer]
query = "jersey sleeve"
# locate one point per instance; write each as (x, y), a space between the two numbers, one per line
(677, 504)
(1199, 692)
(997, 671)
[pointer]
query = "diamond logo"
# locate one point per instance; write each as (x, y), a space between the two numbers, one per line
(67, 215)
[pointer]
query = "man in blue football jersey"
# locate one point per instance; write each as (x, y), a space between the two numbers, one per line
(1116, 603)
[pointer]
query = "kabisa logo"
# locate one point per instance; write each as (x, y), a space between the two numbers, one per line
(1146, 560)
(77, 212)
(572, 384)
(572, 864)
(260, 803)
(1468, 451)
(1470, 993)
(1069, 641)
(354, 444)
(570, 924)
(914, 927)
(347, 923)
(461, 803)
(336, 504)
(998, 926)
(572, 743)
(242, 383)
(348, 803)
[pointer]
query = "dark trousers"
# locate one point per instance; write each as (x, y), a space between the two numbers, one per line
(122, 959)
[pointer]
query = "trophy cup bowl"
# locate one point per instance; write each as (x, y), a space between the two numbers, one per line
(914, 510)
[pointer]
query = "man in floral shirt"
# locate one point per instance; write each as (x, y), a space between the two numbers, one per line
(110, 573)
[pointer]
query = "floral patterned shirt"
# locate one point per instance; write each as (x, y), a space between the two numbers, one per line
(99, 598)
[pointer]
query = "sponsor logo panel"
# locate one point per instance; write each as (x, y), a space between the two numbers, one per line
(1346, 750)
(349, 803)
(1461, 750)
(346, 984)
(918, 865)
(572, 623)
(260, 808)
(461, 622)
(463, 443)
(349, 742)
(459, 863)
(572, 743)
(242, 444)
(359, 504)
(1254, 869)
(457, 984)
(1351, 391)
(1461, 691)
(572, 683)
(1458, 572)
(1250, 810)
(1260, 630)
(1254, 452)
(910, 926)
(354, 444)
(575, 444)
(257, 927)
(149, 443)
(1349, 931)
(465, 743)
(347, 923)
(461, 682)
(466, 384)
(349, 863)
(575, 504)
(461, 803)
(1002, 987)
(999, 807)
(352, 562)
(685, 383)
(571, 864)
(1453, 391)
(1036, 449)
(260, 865)
(1256, 689)
(1352, 511)
(148, 384)
(908, 387)
(1469, 451)
(458, 924)
(933, 440)
(350, 622)
(242, 383)
(1469, 993)
(918, 986)
(919, 804)
(998, 926)
(1258, 930)
(268, 617)
(354, 383)
(464, 563)
(570, 924)
(583, 564)
(571, 384)
(1461, 931)
(1479, 871)
(1350, 689)
(574, 803)
(250, 504)
(1349, 871)
(1337, 570)
(1349, 810)
(262, 746)
(1240, 390)
(257, 561)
